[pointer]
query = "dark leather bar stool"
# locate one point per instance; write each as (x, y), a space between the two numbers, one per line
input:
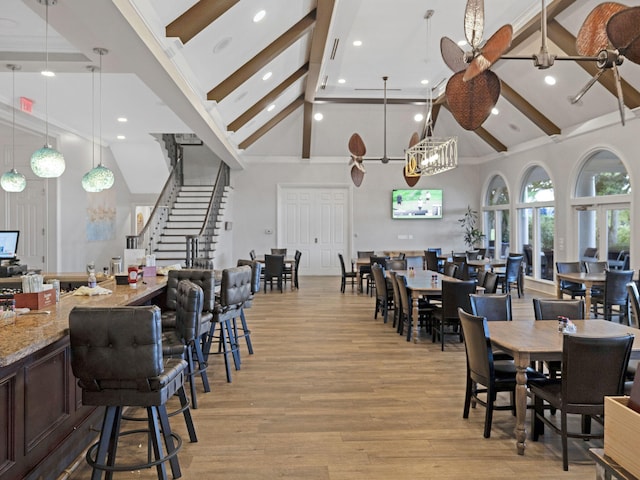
(235, 290)
(116, 354)
(243, 331)
(205, 278)
(185, 341)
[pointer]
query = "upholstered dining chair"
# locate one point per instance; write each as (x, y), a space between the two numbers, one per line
(512, 274)
(384, 295)
(397, 302)
(551, 309)
(371, 281)
(278, 251)
(273, 270)
(614, 294)
(431, 261)
(592, 368)
(243, 330)
(572, 289)
(454, 294)
(425, 310)
(349, 275)
(633, 316)
(483, 370)
(490, 282)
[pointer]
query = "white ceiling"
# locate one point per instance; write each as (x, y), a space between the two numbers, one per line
(161, 84)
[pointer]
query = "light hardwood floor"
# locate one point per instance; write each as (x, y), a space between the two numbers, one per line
(332, 394)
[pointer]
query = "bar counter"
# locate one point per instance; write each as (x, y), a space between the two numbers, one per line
(43, 424)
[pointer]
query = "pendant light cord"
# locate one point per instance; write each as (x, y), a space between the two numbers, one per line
(100, 108)
(13, 111)
(93, 116)
(46, 80)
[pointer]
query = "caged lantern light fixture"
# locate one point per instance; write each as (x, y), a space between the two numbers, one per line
(12, 181)
(47, 162)
(98, 178)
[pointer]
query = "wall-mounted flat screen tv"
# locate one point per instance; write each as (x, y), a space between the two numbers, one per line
(415, 204)
(9, 243)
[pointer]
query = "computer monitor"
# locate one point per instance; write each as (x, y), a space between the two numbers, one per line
(9, 243)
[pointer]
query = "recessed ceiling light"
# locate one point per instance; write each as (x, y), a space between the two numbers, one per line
(122, 119)
(357, 43)
(424, 82)
(418, 117)
(271, 107)
(121, 137)
(549, 80)
(495, 111)
(222, 44)
(342, 80)
(318, 116)
(267, 76)
(259, 16)
(48, 73)
(462, 43)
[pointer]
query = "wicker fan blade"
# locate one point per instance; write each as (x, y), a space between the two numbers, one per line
(471, 102)
(452, 55)
(415, 138)
(356, 146)
(616, 73)
(623, 30)
(586, 88)
(357, 175)
(411, 181)
(491, 52)
(474, 22)
(592, 36)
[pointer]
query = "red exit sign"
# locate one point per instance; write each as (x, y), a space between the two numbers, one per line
(26, 105)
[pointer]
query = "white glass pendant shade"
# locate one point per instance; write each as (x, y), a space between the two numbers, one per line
(98, 179)
(47, 162)
(13, 181)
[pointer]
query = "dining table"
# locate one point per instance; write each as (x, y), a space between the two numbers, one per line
(487, 263)
(528, 340)
(422, 283)
(589, 280)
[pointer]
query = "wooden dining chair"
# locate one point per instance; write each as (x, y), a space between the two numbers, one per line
(349, 275)
(454, 294)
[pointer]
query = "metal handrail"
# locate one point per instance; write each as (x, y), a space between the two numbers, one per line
(149, 235)
(203, 241)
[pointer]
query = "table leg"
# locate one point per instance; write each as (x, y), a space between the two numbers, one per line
(558, 288)
(587, 299)
(522, 362)
(416, 317)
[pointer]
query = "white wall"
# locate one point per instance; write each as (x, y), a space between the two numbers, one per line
(200, 165)
(372, 226)
(562, 161)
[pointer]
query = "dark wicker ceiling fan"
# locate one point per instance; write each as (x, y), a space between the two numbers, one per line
(609, 34)
(358, 149)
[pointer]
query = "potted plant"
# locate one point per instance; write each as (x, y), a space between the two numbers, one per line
(472, 235)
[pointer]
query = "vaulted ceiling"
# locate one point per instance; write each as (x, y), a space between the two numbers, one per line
(251, 89)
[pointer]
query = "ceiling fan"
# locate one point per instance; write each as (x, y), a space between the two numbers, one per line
(358, 149)
(474, 90)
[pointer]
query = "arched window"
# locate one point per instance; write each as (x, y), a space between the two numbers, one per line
(496, 218)
(536, 223)
(602, 204)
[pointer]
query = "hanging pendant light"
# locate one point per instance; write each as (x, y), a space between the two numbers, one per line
(47, 162)
(12, 181)
(98, 178)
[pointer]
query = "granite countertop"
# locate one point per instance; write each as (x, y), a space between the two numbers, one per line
(36, 330)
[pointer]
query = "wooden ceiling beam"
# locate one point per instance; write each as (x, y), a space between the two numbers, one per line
(272, 123)
(306, 129)
(496, 144)
(318, 42)
(268, 99)
(567, 42)
(528, 110)
(532, 26)
(269, 53)
(197, 18)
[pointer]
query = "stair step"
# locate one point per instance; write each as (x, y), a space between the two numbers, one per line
(182, 224)
(196, 193)
(195, 206)
(197, 188)
(185, 217)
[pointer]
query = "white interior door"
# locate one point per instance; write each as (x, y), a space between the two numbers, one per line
(27, 213)
(315, 220)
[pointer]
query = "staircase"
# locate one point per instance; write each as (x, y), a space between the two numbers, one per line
(185, 218)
